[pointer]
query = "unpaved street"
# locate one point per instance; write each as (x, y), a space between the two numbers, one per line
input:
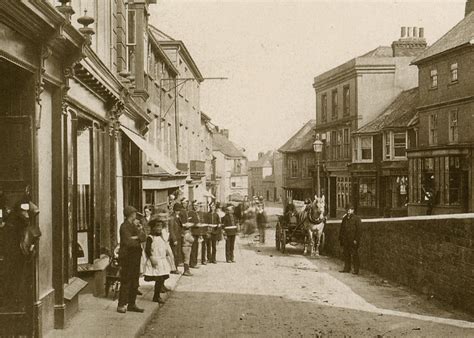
(269, 294)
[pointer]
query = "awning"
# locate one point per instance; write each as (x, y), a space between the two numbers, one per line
(151, 152)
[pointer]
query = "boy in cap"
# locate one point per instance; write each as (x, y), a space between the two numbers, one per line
(130, 254)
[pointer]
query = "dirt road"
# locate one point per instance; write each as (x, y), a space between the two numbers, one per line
(270, 294)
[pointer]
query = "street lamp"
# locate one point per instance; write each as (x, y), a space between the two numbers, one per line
(318, 149)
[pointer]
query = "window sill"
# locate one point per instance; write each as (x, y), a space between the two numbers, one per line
(432, 88)
(453, 83)
(364, 161)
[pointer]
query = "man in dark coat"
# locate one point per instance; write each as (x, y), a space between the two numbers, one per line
(230, 231)
(349, 238)
(176, 231)
(130, 253)
(195, 218)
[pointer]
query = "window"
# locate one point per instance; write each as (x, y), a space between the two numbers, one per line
(334, 104)
(131, 40)
(339, 145)
(346, 144)
(366, 148)
(308, 164)
(343, 188)
(399, 145)
(346, 101)
(237, 166)
(453, 126)
(388, 145)
(293, 165)
(333, 144)
(367, 195)
(434, 78)
(433, 129)
(324, 107)
(454, 72)
(234, 184)
(150, 197)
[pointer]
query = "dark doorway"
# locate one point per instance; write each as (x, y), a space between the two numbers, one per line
(17, 274)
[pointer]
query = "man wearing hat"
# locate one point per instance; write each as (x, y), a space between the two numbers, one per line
(349, 238)
(230, 230)
(131, 237)
(195, 219)
(261, 221)
(176, 231)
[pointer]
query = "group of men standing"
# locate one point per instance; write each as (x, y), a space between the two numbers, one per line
(188, 228)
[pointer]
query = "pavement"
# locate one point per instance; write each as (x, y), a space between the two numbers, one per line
(266, 293)
(98, 316)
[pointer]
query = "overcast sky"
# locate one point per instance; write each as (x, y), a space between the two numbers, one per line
(271, 51)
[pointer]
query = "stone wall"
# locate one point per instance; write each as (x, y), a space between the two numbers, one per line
(431, 254)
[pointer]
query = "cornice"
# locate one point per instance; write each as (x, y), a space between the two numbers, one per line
(356, 70)
(446, 103)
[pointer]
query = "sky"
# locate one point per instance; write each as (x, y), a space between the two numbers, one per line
(271, 50)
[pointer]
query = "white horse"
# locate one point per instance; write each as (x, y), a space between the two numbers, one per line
(313, 219)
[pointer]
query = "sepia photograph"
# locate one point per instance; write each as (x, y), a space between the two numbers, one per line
(236, 168)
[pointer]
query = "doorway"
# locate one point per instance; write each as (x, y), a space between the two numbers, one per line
(17, 275)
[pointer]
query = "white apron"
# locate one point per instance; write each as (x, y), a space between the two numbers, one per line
(158, 256)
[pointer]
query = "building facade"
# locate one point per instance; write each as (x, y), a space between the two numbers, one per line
(262, 177)
(441, 163)
(299, 161)
(353, 94)
(69, 91)
(380, 181)
(231, 175)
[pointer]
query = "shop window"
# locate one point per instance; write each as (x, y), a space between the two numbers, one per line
(343, 187)
(453, 126)
(434, 78)
(399, 145)
(346, 93)
(367, 193)
(454, 72)
(324, 107)
(433, 129)
(335, 107)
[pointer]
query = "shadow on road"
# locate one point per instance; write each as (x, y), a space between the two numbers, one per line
(222, 314)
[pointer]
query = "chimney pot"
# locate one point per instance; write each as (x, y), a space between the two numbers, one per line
(421, 33)
(415, 32)
(404, 32)
(410, 31)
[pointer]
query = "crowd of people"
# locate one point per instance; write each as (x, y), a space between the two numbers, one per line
(155, 243)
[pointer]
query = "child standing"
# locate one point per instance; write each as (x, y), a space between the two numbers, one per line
(188, 241)
(157, 267)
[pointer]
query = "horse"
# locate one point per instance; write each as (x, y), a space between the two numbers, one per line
(313, 219)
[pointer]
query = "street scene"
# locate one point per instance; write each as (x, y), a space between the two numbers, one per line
(236, 168)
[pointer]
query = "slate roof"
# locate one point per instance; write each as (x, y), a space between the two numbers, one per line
(459, 35)
(381, 51)
(302, 140)
(398, 114)
(263, 162)
(225, 146)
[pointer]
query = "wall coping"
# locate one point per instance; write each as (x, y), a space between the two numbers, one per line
(412, 218)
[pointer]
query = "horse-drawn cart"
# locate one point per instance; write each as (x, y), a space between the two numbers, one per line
(304, 226)
(288, 232)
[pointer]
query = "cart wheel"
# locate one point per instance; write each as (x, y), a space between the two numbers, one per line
(283, 241)
(277, 237)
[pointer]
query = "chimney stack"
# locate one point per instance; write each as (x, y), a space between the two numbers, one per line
(469, 7)
(225, 132)
(411, 43)
(260, 155)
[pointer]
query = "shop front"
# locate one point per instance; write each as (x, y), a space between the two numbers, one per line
(441, 178)
(394, 189)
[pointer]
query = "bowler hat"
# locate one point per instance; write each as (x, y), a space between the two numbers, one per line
(128, 210)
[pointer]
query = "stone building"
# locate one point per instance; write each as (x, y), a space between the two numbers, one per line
(231, 176)
(442, 160)
(380, 184)
(353, 94)
(262, 177)
(70, 99)
(298, 164)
